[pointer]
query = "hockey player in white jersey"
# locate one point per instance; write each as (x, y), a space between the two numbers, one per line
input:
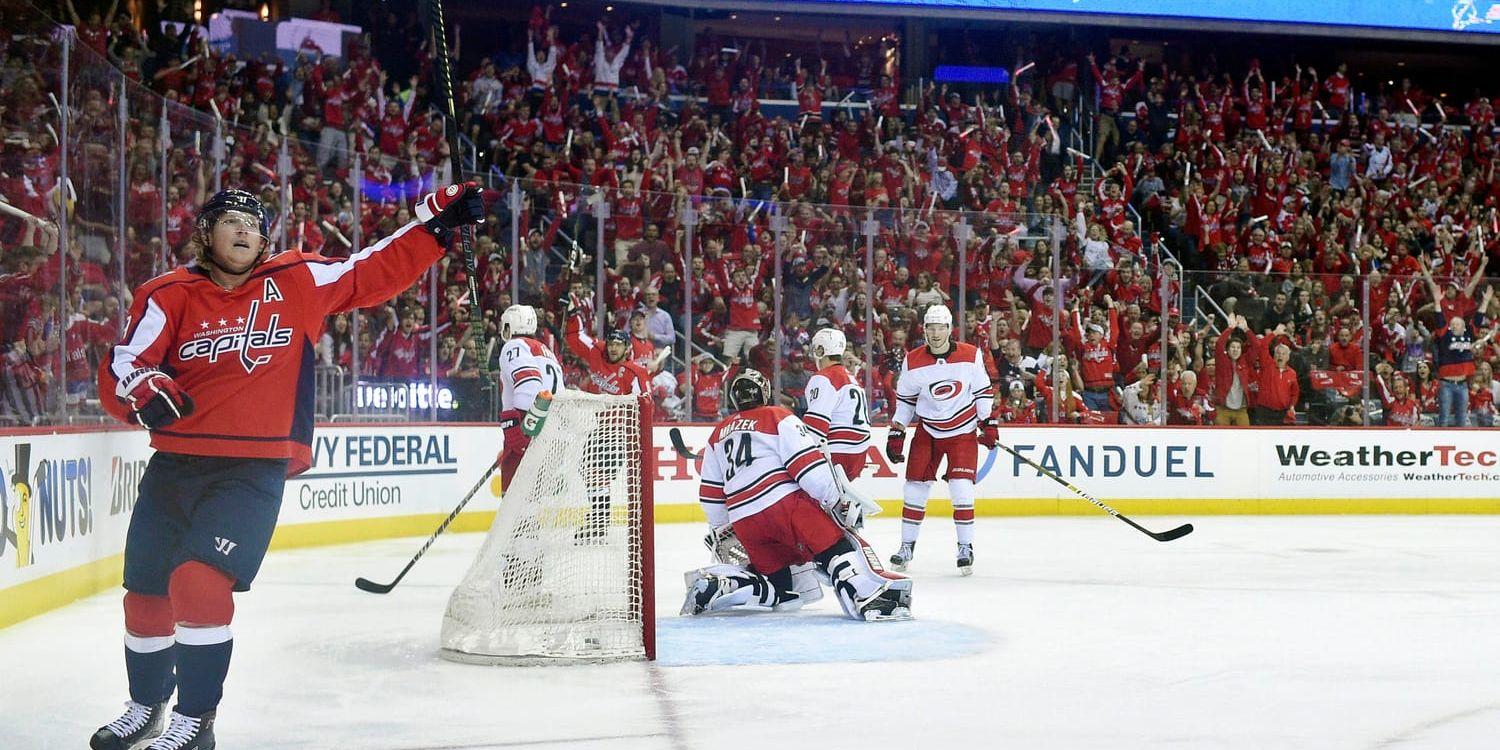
(764, 475)
(943, 388)
(837, 409)
(527, 367)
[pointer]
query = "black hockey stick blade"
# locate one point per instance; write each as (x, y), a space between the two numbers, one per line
(1170, 534)
(680, 446)
(365, 584)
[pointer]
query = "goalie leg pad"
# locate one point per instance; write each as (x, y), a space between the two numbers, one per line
(722, 588)
(863, 592)
(807, 583)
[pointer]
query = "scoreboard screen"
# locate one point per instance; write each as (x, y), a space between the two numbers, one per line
(1450, 16)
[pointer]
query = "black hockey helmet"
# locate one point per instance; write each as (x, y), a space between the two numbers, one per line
(223, 202)
(233, 200)
(616, 335)
(748, 390)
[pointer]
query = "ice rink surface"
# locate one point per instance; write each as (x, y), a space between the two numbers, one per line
(1297, 632)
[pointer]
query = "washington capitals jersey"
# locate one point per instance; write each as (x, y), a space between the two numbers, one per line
(245, 355)
(837, 410)
(527, 367)
(755, 458)
(950, 394)
(616, 378)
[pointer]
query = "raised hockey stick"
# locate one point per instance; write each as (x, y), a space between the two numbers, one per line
(365, 584)
(439, 31)
(1163, 536)
(680, 446)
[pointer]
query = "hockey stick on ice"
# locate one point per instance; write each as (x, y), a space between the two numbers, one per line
(1163, 536)
(680, 446)
(365, 584)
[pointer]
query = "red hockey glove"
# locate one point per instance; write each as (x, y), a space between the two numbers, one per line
(989, 433)
(154, 398)
(894, 442)
(450, 208)
(510, 427)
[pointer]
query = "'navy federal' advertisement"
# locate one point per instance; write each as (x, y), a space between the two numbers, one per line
(363, 472)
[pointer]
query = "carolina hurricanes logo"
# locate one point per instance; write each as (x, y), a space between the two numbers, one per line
(945, 390)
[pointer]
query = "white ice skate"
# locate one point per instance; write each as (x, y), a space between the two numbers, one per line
(965, 559)
(903, 556)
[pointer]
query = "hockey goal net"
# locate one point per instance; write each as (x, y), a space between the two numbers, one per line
(565, 574)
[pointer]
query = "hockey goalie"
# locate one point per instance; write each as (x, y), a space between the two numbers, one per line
(767, 484)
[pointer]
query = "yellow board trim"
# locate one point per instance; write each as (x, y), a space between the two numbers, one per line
(58, 589)
(49, 592)
(325, 533)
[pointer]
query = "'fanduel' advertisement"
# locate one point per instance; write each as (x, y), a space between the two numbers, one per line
(1130, 463)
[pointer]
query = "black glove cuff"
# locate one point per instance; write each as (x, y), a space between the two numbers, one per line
(439, 232)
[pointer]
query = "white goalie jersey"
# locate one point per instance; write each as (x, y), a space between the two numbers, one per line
(756, 458)
(527, 367)
(950, 395)
(837, 410)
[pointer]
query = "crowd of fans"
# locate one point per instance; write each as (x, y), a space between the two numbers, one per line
(1274, 241)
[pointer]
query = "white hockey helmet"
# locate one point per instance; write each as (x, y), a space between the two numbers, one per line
(518, 320)
(827, 342)
(938, 314)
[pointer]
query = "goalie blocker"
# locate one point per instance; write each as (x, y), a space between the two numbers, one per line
(765, 475)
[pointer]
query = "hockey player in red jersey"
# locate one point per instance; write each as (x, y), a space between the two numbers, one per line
(216, 361)
(837, 409)
(527, 367)
(611, 370)
(764, 476)
(943, 386)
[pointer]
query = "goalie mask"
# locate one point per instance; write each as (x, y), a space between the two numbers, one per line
(748, 390)
(518, 320)
(243, 212)
(828, 342)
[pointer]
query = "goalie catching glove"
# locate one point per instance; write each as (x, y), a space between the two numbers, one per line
(450, 208)
(154, 398)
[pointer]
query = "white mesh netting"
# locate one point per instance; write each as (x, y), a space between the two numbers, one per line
(560, 577)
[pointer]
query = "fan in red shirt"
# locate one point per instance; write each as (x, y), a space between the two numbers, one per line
(1345, 353)
(708, 387)
(1279, 390)
(400, 352)
(1401, 409)
(1186, 405)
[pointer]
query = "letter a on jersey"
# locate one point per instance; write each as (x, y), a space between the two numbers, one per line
(271, 293)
